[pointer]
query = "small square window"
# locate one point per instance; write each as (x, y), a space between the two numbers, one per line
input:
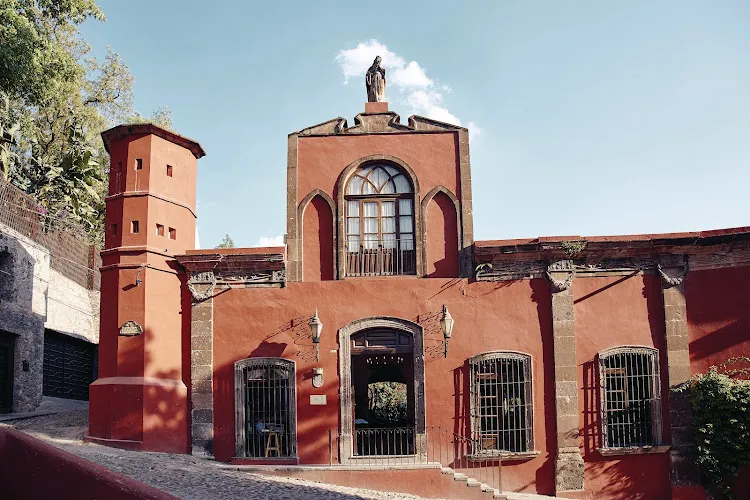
(113, 229)
(139, 163)
(119, 166)
(134, 227)
(160, 230)
(172, 233)
(169, 170)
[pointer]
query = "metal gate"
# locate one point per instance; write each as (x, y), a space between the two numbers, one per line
(69, 366)
(266, 408)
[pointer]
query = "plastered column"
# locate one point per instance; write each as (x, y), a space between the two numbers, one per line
(201, 361)
(684, 473)
(568, 463)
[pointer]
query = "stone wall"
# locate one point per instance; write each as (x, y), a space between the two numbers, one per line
(33, 296)
(23, 311)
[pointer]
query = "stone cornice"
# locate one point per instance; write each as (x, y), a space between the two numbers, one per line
(378, 123)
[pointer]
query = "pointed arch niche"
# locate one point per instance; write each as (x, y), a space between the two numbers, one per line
(346, 400)
(442, 233)
(316, 212)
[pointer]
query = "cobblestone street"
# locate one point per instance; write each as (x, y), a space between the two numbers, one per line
(183, 475)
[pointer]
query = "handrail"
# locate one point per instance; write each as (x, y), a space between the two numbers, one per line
(383, 257)
(454, 452)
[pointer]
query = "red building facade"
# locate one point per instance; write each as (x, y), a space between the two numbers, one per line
(560, 360)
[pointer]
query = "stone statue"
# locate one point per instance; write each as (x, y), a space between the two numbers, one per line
(375, 82)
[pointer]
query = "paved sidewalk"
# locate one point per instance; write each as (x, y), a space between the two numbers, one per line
(49, 406)
(184, 476)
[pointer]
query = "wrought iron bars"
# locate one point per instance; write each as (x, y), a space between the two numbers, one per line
(630, 397)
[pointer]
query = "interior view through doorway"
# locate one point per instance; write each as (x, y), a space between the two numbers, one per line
(382, 365)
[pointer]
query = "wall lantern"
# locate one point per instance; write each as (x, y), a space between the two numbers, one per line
(315, 328)
(446, 324)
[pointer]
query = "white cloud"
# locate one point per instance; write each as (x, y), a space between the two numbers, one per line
(197, 239)
(408, 79)
(270, 241)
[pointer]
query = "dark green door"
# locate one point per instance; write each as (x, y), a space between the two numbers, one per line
(6, 372)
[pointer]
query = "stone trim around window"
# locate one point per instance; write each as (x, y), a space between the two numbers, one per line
(341, 213)
(633, 450)
(345, 382)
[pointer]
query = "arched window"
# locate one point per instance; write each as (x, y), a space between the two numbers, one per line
(501, 403)
(379, 222)
(630, 397)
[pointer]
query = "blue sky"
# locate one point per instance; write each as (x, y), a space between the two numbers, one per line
(587, 117)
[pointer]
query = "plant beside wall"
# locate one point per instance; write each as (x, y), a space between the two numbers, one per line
(721, 423)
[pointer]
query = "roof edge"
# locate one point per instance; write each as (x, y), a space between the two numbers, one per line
(125, 130)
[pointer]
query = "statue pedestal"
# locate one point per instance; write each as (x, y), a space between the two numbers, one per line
(376, 107)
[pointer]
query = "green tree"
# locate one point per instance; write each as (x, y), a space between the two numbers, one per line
(55, 100)
(227, 242)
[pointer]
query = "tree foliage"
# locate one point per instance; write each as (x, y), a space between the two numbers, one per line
(387, 404)
(721, 424)
(227, 242)
(55, 100)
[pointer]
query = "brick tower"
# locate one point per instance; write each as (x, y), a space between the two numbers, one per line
(140, 400)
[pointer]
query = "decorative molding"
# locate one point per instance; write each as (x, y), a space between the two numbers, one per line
(130, 329)
(206, 277)
(509, 270)
(232, 279)
(672, 280)
(560, 266)
(558, 285)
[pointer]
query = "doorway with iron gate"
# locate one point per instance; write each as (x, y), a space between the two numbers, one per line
(382, 412)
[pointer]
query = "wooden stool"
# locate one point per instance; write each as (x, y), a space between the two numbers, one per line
(273, 436)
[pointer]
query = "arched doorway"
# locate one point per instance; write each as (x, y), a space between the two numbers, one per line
(382, 406)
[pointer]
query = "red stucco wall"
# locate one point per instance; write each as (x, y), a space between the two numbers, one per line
(610, 312)
(441, 237)
(489, 316)
(433, 157)
(718, 314)
(317, 240)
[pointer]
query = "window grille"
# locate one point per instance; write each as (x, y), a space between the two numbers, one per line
(501, 403)
(266, 408)
(630, 397)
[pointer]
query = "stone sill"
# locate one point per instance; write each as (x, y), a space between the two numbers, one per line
(504, 455)
(633, 450)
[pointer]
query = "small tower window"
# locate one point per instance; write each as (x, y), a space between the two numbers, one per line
(172, 233)
(160, 230)
(139, 163)
(169, 170)
(134, 227)
(113, 229)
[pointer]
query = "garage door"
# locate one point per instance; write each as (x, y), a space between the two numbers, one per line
(69, 366)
